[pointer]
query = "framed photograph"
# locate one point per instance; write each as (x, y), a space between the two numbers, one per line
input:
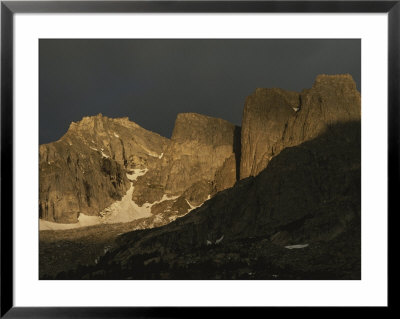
(162, 155)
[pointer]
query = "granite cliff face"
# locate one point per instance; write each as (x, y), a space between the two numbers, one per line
(274, 119)
(298, 219)
(278, 198)
(85, 171)
(200, 145)
(101, 161)
(300, 188)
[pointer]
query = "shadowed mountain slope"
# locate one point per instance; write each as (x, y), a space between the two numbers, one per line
(279, 197)
(274, 119)
(308, 195)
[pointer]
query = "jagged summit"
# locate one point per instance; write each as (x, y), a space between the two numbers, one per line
(99, 122)
(336, 80)
(85, 171)
(197, 117)
(203, 129)
(277, 197)
(298, 219)
(75, 170)
(199, 150)
(274, 119)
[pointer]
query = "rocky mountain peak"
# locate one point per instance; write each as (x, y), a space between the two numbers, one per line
(87, 122)
(275, 104)
(203, 129)
(217, 201)
(201, 153)
(99, 158)
(99, 124)
(274, 119)
(85, 171)
(344, 81)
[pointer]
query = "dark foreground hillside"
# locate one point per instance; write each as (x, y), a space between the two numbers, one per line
(308, 195)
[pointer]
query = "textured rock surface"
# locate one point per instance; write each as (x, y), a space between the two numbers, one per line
(300, 163)
(274, 119)
(200, 147)
(314, 184)
(225, 176)
(309, 195)
(85, 171)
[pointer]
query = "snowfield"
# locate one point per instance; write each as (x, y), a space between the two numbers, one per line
(122, 211)
(296, 246)
(83, 221)
(125, 210)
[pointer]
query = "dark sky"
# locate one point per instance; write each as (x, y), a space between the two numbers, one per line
(151, 81)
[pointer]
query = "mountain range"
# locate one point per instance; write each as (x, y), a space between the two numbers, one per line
(277, 198)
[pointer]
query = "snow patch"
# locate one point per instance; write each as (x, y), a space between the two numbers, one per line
(296, 109)
(151, 153)
(219, 239)
(296, 246)
(164, 198)
(125, 210)
(116, 135)
(191, 206)
(162, 154)
(104, 155)
(121, 211)
(132, 176)
(83, 221)
(194, 207)
(107, 249)
(86, 220)
(93, 148)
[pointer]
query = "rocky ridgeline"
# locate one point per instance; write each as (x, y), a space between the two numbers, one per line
(86, 170)
(295, 213)
(274, 119)
(300, 218)
(278, 198)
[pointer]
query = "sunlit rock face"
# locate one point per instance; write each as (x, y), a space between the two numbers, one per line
(298, 217)
(88, 169)
(91, 166)
(200, 148)
(274, 119)
(85, 171)
(307, 200)
(279, 197)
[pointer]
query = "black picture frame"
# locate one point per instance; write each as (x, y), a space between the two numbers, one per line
(9, 8)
